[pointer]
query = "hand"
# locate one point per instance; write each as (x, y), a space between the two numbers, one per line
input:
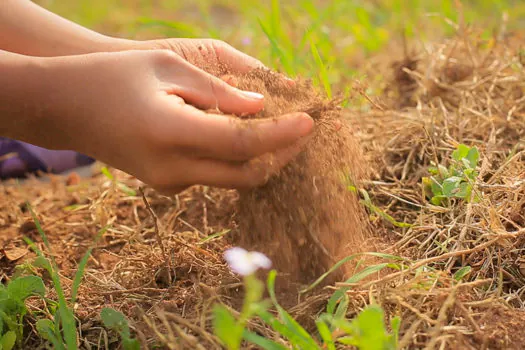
(135, 111)
(207, 54)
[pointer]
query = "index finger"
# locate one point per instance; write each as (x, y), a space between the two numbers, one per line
(234, 139)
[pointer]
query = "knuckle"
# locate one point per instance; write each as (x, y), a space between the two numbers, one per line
(160, 179)
(219, 46)
(164, 55)
(241, 145)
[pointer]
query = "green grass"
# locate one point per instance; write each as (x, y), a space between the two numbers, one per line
(327, 41)
(367, 331)
(60, 329)
(311, 38)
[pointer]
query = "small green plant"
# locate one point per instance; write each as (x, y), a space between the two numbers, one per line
(61, 331)
(456, 181)
(123, 187)
(116, 321)
(13, 308)
(367, 202)
(366, 332)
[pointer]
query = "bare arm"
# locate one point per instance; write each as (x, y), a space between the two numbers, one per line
(29, 29)
(18, 94)
(143, 121)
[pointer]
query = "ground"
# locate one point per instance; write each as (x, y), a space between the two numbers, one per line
(455, 275)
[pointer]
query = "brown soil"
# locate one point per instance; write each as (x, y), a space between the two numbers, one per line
(305, 218)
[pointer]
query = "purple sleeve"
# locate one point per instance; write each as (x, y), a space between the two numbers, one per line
(17, 159)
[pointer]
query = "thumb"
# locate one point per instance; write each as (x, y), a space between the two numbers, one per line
(206, 91)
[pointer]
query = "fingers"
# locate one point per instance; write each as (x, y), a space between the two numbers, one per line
(233, 139)
(206, 91)
(237, 175)
(235, 60)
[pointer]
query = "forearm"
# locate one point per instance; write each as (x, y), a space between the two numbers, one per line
(29, 29)
(21, 86)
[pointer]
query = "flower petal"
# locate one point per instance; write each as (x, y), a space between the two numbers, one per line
(261, 260)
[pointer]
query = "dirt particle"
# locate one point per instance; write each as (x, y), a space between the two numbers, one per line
(305, 218)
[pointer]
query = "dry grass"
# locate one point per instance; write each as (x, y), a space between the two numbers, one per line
(154, 265)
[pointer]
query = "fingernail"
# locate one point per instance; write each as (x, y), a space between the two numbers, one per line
(305, 124)
(253, 95)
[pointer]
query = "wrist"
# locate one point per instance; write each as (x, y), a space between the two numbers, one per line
(19, 80)
(29, 107)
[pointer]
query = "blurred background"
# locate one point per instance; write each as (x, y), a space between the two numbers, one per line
(329, 41)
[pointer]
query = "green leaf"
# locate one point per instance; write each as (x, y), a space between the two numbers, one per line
(464, 190)
(46, 329)
(107, 174)
(226, 328)
(23, 287)
(126, 189)
(334, 299)
(462, 272)
(130, 344)
(8, 340)
(43, 262)
(67, 318)
(285, 58)
(301, 335)
(82, 266)
(473, 157)
(347, 340)
(284, 330)
(373, 208)
(214, 236)
(38, 226)
(344, 261)
(342, 308)
(116, 321)
(443, 171)
(461, 152)
(42, 327)
(395, 324)
(435, 185)
(323, 72)
(437, 200)
(370, 329)
(325, 334)
(451, 186)
(264, 343)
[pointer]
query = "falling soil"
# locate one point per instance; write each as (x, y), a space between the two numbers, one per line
(306, 217)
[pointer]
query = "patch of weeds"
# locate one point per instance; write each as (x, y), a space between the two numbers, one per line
(61, 331)
(373, 209)
(367, 331)
(456, 181)
(116, 321)
(13, 308)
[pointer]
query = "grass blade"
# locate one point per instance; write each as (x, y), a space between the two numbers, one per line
(285, 60)
(289, 322)
(264, 343)
(344, 261)
(355, 278)
(82, 266)
(323, 72)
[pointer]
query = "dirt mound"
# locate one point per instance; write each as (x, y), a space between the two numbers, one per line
(305, 218)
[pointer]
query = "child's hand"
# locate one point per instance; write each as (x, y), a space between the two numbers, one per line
(206, 54)
(134, 110)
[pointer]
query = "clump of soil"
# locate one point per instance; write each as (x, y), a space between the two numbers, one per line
(305, 218)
